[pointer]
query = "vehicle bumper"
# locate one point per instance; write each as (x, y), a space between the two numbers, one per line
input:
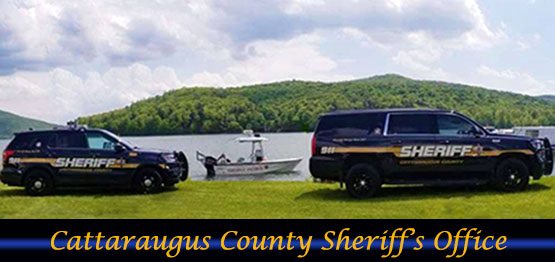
(326, 168)
(11, 176)
(543, 162)
(172, 174)
(550, 159)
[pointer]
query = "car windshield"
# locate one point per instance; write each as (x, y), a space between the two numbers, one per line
(120, 140)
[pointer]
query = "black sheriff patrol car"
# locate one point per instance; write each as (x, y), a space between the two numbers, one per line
(77, 156)
(367, 148)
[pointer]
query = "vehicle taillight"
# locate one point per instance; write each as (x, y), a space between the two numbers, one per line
(313, 145)
(6, 155)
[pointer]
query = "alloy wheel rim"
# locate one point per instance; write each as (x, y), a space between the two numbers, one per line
(148, 181)
(512, 177)
(361, 183)
(38, 185)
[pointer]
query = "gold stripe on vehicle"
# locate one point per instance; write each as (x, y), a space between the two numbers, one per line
(38, 160)
(509, 151)
(129, 165)
(397, 151)
(76, 169)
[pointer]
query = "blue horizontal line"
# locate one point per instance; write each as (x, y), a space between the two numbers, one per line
(520, 244)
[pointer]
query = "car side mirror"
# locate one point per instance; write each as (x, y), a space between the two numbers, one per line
(475, 131)
(119, 147)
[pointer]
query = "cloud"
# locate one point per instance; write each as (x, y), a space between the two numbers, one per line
(41, 35)
(272, 60)
(528, 42)
(385, 21)
(419, 60)
(513, 81)
(59, 95)
(70, 58)
(421, 56)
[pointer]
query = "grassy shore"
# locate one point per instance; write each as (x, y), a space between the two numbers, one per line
(214, 199)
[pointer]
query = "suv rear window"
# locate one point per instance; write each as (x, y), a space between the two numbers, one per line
(412, 124)
(29, 140)
(351, 125)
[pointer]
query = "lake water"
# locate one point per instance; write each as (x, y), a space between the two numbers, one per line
(280, 145)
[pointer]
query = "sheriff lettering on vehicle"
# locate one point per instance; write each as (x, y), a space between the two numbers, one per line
(85, 162)
(435, 151)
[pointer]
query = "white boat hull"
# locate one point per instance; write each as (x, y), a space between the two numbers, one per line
(265, 167)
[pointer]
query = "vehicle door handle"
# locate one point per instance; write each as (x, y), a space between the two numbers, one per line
(445, 142)
(396, 142)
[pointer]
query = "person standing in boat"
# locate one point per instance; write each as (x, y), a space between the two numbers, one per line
(258, 155)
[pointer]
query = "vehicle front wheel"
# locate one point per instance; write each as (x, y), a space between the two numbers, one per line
(511, 175)
(362, 181)
(38, 183)
(148, 180)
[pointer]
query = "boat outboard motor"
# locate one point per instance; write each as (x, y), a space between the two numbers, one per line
(182, 159)
(209, 163)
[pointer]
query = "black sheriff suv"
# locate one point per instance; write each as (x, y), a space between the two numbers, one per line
(364, 149)
(41, 161)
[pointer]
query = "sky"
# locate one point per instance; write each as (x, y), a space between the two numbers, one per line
(63, 59)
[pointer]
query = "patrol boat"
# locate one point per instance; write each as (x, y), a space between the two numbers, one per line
(256, 164)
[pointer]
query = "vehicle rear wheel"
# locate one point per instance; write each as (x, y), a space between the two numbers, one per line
(148, 180)
(511, 175)
(38, 183)
(362, 181)
(170, 185)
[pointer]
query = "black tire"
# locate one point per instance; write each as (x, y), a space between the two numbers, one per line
(147, 180)
(38, 183)
(511, 175)
(362, 181)
(170, 185)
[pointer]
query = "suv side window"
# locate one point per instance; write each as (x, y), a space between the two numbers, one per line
(98, 140)
(351, 125)
(449, 125)
(30, 140)
(68, 139)
(412, 124)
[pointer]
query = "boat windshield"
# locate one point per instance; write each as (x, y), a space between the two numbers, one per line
(251, 139)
